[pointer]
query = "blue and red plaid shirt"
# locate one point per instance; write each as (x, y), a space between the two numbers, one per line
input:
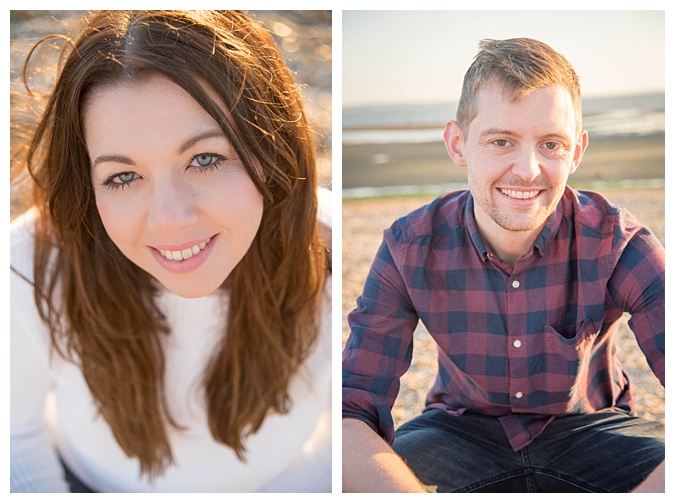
(524, 343)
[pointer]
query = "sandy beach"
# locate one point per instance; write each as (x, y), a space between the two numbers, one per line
(363, 223)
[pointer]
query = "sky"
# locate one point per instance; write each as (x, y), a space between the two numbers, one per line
(421, 56)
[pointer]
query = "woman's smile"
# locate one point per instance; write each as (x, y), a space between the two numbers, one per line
(186, 260)
(182, 254)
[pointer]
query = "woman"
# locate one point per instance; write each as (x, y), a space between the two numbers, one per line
(169, 284)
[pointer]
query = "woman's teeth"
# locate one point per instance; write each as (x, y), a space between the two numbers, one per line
(517, 194)
(184, 254)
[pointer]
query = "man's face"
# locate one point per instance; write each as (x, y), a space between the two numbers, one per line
(519, 155)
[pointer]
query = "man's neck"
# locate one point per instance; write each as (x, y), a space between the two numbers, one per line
(508, 245)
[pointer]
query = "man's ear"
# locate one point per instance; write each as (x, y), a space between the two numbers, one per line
(454, 143)
(579, 150)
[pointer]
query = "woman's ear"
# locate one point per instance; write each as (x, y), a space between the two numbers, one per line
(454, 143)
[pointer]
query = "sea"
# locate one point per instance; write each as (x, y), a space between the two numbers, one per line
(637, 114)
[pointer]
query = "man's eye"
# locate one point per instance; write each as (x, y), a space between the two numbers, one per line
(501, 143)
(551, 145)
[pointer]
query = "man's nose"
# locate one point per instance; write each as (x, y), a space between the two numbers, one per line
(527, 166)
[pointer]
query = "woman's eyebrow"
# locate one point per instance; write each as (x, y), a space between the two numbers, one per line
(121, 159)
(214, 133)
(112, 158)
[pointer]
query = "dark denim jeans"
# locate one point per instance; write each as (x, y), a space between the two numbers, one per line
(599, 452)
(75, 484)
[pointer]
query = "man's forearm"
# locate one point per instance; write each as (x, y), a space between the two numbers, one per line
(655, 483)
(369, 464)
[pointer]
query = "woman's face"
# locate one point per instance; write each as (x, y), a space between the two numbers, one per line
(171, 191)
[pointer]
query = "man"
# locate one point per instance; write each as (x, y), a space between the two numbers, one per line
(521, 281)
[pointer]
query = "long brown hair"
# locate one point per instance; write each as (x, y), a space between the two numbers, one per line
(101, 307)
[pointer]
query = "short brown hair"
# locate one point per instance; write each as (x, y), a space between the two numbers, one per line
(519, 65)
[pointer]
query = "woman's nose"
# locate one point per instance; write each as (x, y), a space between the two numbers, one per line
(172, 206)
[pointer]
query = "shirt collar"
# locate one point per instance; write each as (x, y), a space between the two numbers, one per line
(540, 244)
(550, 230)
(472, 228)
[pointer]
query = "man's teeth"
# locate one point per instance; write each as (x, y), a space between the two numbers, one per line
(184, 254)
(517, 194)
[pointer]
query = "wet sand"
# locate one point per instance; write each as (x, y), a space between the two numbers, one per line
(607, 159)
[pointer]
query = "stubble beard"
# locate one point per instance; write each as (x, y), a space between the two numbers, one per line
(513, 219)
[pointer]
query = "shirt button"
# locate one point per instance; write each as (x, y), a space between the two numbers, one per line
(515, 284)
(519, 395)
(517, 343)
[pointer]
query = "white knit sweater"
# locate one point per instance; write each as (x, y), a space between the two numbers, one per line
(52, 412)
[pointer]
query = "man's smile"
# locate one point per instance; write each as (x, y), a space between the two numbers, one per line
(518, 194)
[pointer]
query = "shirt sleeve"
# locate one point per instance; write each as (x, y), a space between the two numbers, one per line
(34, 465)
(379, 349)
(638, 287)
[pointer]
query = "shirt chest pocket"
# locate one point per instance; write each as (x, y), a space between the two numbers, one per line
(557, 342)
(559, 364)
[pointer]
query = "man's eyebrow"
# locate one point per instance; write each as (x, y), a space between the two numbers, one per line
(508, 132)
(497, 131)
(214, 133)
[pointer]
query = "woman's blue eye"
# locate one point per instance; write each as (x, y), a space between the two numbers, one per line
(206, 162)
(204, 159)
(126, 177)
(120, 180)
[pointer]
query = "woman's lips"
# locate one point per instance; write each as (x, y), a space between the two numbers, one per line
(187, 253)
(186, 259)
